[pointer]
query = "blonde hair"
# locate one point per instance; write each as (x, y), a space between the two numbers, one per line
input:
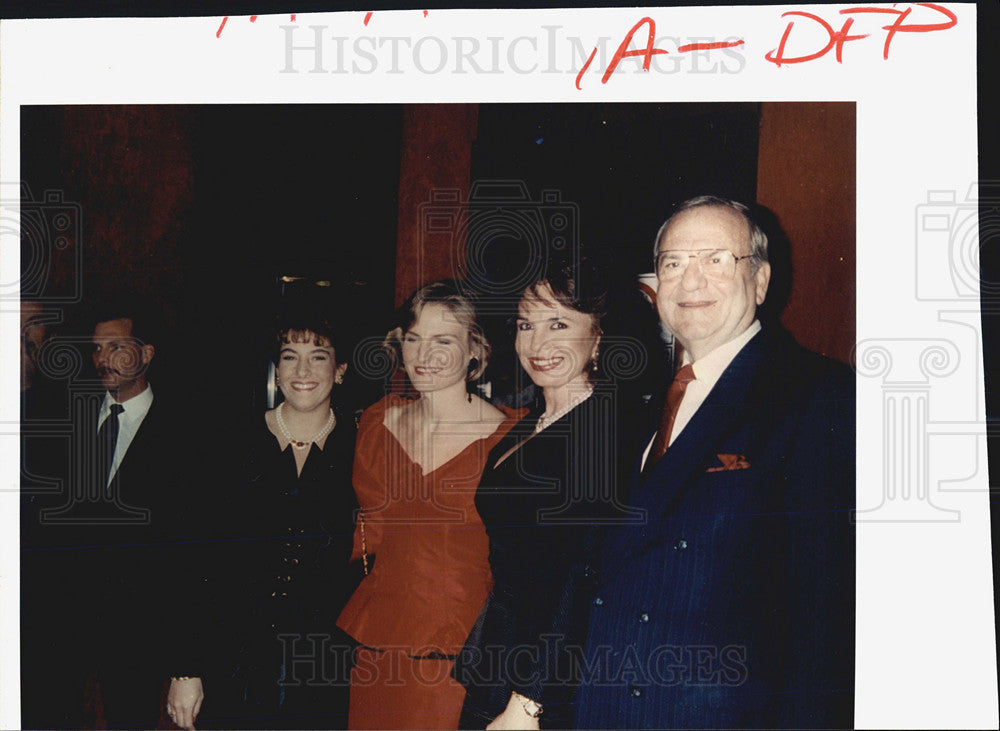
(448, 293)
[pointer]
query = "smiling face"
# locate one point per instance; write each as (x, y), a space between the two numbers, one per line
(555, 343)
(704, 312)
(307, 370)
(120, 360)
(437, 350)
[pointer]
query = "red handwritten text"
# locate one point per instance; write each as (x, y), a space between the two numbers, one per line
(837, 38)
(646, 52)
(253, 19)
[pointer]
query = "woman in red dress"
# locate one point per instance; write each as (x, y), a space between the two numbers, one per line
(417, 465)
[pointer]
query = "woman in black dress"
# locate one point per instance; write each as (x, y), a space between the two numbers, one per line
(290, 576)
(547, 490)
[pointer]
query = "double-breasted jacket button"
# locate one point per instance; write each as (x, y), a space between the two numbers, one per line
(635, 692)
(598, 602)
(681, 544)
(643, 617)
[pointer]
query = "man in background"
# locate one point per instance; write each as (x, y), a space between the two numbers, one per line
(126, 612)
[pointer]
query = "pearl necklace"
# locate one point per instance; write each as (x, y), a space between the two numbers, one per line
(544, 420)
(327, 428)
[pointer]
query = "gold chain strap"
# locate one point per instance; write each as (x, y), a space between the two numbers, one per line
(364, 542)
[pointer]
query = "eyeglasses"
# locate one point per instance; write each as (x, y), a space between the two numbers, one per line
(714, 263)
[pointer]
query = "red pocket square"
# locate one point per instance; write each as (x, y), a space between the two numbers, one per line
(730, 462)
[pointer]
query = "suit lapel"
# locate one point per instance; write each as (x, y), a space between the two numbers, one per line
(131, 478)
(723, 410)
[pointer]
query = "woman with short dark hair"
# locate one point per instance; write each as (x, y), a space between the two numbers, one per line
(288, 576)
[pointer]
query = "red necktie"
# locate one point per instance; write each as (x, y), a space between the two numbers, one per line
(684, 376)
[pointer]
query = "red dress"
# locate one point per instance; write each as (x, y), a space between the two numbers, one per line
(428, 581)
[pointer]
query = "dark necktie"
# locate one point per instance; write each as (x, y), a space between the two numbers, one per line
(107, 440)
(674, 396)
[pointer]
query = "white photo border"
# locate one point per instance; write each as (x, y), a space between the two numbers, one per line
(926, 649)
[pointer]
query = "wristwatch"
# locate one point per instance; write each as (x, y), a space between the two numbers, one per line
(532, 708)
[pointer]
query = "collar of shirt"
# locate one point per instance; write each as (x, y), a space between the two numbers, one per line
(129, 422)
(710, 368)
(135, 411)
(707, 371)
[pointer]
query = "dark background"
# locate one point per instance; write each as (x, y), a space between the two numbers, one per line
(203, 209)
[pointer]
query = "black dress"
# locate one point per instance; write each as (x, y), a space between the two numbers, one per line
(285, 578)
(544, 508)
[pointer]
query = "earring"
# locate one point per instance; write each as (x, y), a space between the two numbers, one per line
(473, 364)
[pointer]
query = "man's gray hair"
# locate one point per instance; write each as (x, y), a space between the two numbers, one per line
(756, 238)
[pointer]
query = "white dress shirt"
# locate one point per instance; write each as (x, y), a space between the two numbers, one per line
(129, 421)
(707, 372)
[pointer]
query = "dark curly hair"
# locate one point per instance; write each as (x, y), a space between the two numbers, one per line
(303, 326)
